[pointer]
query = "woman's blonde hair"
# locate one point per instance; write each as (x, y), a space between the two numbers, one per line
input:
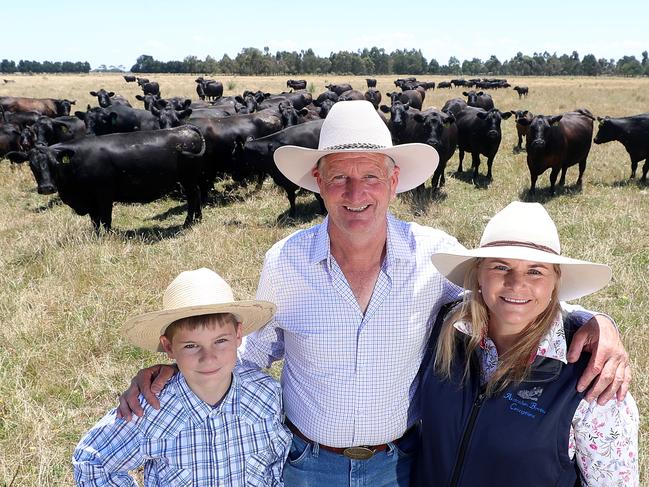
(514, 365)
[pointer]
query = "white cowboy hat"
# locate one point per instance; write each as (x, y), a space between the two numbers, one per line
(193, 293)
(354, 126)
(525, 231)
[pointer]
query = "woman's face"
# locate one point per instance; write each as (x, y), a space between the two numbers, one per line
(515, 291)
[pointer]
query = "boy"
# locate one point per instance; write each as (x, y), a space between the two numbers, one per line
(217, 425)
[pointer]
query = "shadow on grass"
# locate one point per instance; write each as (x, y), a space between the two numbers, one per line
(175, 211)
(304, 213)
(149, 235)
(543, 195)
(482, 182)
(623, 183)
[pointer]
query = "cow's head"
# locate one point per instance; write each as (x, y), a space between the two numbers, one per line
(63, 107)
(374, 97)
(434, 124)
(607, 130)
(103, 97)
(170, 117)
(538, 130)
(491, 120)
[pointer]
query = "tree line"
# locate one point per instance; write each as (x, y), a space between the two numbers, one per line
(25, 66)
(374, 61)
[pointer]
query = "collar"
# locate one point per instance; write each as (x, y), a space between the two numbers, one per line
(397, 247)
(198, 409)
(552, 345)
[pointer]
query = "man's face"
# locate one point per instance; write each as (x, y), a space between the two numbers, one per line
(357, 188)
(206, 356)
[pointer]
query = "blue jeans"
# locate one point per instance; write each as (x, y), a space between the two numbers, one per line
(308, 465)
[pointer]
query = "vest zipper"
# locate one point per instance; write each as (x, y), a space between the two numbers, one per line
(466, 436)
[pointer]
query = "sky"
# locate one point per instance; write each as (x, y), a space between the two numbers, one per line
(117, 32)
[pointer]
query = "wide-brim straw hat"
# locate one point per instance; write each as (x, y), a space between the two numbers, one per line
(525, 231)
(355, 126)
(194, 293)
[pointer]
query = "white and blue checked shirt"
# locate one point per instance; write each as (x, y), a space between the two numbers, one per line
(241, 442)
(348, 377)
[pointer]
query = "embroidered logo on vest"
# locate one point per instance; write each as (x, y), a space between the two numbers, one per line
(532, 394)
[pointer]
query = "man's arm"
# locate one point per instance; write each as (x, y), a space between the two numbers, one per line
(149, 382)
(106, 454)
(608, 372)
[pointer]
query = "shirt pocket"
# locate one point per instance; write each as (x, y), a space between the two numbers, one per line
(168, 467)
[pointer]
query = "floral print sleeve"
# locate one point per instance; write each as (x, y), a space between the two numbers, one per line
(605, 442)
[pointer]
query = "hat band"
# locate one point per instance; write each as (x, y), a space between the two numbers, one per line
(514, 243)
(355, 145)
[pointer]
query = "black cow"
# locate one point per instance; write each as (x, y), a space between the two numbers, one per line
(107, 98)
(521, 127)
(208, 88)
(444, 84)
(521, 90)
(479, 133)
(414, 98)
(9, 138)
(296, 84)
(438, 130)
(479, 100)
(221, 135)
(117, 119)
(327, 95)
(149, 87)
(401, 125)
(371, 82)
(93, 172)
(169, 116)
(339, 89)
(633, 133)
(49, 131)
(351, 95)
(454, 106)
(22, 119)
(129, 78)
(458, 82)
(148, 100)
(556, 143)
(256, 156)
(374, 97)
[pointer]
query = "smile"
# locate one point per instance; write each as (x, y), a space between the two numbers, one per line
(358, 209)
(515, 301)
(209, 372)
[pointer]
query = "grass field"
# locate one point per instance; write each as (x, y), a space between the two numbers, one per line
(64, 292)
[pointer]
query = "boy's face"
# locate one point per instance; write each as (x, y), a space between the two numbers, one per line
(206, 357)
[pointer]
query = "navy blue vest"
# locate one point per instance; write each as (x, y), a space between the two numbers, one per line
(518, 437)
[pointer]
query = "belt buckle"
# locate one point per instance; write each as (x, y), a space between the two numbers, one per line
(358, 453)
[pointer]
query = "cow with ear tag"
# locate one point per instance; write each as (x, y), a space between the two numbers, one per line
(556, 143)
(93, 172)
(633, 133)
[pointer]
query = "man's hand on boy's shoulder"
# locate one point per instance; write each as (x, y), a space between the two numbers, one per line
(149, 382)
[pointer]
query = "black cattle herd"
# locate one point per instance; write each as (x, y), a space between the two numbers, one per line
(114, 152)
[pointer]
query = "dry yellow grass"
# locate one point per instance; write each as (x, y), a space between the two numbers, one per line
(64, 293)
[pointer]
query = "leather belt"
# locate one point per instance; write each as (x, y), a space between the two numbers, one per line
(363, 452)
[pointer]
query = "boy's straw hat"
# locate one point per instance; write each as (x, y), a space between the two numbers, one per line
(354, 126)
(194, 293)
(525, 231)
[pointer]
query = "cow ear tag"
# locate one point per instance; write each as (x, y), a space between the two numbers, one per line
(555, 124)
(65, 159)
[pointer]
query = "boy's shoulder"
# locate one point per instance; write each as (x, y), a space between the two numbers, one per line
(260, 395)
(170, 418)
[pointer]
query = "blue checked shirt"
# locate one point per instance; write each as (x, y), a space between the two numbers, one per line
(240, 442)
(348, 377)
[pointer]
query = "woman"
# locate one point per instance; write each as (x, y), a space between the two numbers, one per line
(499, 400)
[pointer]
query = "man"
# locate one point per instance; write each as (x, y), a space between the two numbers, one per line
(355, 298)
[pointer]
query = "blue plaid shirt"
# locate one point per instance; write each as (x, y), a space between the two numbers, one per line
(240, 442)
(349, 376)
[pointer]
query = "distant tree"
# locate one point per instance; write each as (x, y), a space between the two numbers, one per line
(454, 66)
(629, 66)
(433, 66)
(474, 66)
(492, 65)
(590, 66)
(227, 65)
(7, 66)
